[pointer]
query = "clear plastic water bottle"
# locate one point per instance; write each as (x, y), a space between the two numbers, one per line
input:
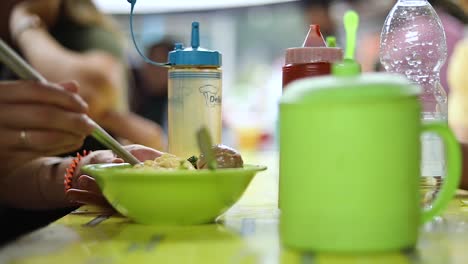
(413, 43)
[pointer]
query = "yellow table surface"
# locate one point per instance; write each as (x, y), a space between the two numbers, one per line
(247, 233)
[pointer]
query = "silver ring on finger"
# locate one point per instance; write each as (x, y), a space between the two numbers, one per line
(24, 138)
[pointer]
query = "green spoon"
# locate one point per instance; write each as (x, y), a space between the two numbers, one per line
(205, 145)
(351, 23)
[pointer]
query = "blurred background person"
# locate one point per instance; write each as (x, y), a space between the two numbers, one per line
(69, 39)
(149, 90)
(458, 99)
(319, 12)
(454, 19)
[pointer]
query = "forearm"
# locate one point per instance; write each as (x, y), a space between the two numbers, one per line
(35, 42)
(135, 129)
(98, 72)
(56, 64)
(45, 54)
(36, 185)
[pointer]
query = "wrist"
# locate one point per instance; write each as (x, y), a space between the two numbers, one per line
(72, 172)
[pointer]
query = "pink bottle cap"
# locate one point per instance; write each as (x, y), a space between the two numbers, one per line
(314, 49)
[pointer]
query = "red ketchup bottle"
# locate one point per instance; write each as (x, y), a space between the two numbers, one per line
(314, 58)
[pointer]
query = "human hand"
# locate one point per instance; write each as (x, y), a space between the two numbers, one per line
(99, 72)
(38, 119)
(85, 190)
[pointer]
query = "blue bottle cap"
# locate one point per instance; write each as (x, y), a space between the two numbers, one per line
(194, 55)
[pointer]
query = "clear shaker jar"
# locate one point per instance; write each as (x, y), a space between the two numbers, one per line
(194, 95)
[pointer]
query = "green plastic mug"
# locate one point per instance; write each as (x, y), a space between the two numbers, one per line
(350, 164)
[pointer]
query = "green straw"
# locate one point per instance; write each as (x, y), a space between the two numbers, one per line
(351, 23)
(331, 42)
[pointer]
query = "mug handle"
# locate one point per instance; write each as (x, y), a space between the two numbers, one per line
(452, 178)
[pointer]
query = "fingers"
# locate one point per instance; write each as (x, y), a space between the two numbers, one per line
(37, 92)
(96, 157)
(86, 197)
(118, 160)
(87, 183)
(101, 156)
(71, 86)
(44, 141)
(143, 153)
(62, 150)
(89, 192)
(44, 117)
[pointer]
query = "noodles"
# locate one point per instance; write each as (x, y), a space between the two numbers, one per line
(166, 162)
(226, 157)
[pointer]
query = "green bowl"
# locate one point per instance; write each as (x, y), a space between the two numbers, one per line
(171, 197)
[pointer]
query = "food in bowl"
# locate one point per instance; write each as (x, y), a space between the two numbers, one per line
(166, 162)
(226, 157)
